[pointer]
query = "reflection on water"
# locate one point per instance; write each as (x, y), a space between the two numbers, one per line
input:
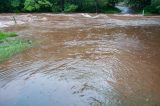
(83, 60)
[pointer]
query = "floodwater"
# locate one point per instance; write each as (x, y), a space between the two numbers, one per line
(83, 60)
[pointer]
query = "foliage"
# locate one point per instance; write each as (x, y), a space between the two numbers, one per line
(55, 8)
(36, 5)
(70, 7)
(148, 6)
(53, 5)
(156, 5)
(151, 9)
(5, 5)
(152, 6)
(17, 5)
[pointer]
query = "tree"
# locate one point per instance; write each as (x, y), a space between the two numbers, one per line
(37, 5)
(5, 6)
(17, 5)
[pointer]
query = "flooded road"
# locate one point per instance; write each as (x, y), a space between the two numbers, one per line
(83, 60)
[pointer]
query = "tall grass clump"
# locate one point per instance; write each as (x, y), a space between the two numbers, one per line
(11, 46)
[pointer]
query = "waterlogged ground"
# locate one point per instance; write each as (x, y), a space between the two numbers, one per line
(83, 60)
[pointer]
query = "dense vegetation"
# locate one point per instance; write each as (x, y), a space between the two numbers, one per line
(149, 6)
(57, 5)
(152, 6)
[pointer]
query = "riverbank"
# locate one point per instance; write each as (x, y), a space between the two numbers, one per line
(10, 45)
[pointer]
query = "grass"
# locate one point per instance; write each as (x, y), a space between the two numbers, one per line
(11, 46)
(4, 35)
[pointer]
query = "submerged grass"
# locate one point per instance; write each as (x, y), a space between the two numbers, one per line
(10, 46)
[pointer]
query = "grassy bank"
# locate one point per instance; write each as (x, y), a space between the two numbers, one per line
(11, 45)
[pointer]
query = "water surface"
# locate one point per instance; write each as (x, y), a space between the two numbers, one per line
(83, 60)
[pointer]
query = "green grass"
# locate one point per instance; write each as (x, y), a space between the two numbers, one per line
(10, 47)
(4, 35)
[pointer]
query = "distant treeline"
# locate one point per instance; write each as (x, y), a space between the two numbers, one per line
(104, 6)
(149, 6)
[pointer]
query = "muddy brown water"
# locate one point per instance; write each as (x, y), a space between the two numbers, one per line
(83, 60)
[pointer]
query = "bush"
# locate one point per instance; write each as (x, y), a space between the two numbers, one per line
(70, 8)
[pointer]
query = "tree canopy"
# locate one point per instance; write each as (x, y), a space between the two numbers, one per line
(152, 6)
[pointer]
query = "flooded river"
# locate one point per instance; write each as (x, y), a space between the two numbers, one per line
(83, 60)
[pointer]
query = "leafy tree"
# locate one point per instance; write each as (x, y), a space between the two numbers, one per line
(152, 6)
(37, 5)
(156, 4)
(17, 5)
(5, 6)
